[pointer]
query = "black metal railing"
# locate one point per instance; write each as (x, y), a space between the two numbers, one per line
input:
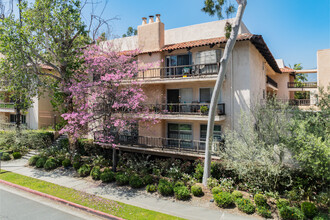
(302, 84)
(164, 143)
(271, 82)
(184, 71)
(296, 102)
(185, 108)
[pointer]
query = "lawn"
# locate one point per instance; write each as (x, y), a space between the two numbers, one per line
(98, 203)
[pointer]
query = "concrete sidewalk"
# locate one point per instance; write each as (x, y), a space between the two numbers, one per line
(126, 195)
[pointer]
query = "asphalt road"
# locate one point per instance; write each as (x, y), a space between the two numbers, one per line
(18, 205)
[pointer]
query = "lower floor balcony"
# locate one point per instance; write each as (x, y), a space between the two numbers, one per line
(7, 107)
(296, 102)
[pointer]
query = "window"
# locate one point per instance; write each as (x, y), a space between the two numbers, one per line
(205, 95)
(180, 135)
(216, 133)
(13, 119)
(178, 60)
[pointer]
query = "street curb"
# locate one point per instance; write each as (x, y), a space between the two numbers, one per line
(84, 208)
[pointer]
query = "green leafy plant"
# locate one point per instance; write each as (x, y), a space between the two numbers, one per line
(5, 157)
(151, 188)
(264, 211)
(245, 205)
(197, 191)
(280, 203)
(33, 160)
(76, 165)
(165, 188)
(260, 200)
(107, 176)
(204, 109)
(17, 155)
(41, 162)
(237, 195)
(50, 164)
(136, 182)
(291, 213)
(223, 199)
(122, 179)
(84, 170)
(227, 184)
(212, 182)
(148, 179)
(66, 163)
(182, 193)
(199, 172)
(309, 209)
(95, 173)
(216, 190)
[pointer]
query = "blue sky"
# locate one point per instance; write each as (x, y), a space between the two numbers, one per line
(293, 29)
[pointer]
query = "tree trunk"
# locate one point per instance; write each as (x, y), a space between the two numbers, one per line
(114, 160)
(216, 92)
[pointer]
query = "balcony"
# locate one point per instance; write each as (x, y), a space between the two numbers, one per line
(302, 84)
(180, 72)
(185, 108)
(296, 102)
(7, 107)
(271, 82)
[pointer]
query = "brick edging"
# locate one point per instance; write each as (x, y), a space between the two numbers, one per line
(93, 211)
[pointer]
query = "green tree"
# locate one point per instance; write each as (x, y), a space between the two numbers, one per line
(130, 32)
(300, 78)
(212, 7)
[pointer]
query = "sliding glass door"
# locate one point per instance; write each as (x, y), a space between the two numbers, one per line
(180, 135)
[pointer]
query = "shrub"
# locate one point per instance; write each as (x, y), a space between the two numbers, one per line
(216, 190)
(107, 176)
(245, 205)
(76, 165)
(135, 181)
(178, 184)
(84, 170)
(309, 209)
(197, 191)
(5, 157)
(151, 188)
(41, 162)
(50, 164)
(227, 184)
(321, 216)
(212, 182)
(182, 193)
(282, 203)
(199, 172)
(122, 179)
(66, 163)
(148, 179)
(33, 160)
(237, 195)
(260, 200)
(165, 188)
(263, 211)
(17, 155)
(223, 199)
(95, 173)
(291, 213)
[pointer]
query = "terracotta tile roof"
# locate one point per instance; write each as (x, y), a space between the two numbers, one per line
(287, 70)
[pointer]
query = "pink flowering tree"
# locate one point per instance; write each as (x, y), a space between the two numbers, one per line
(106, 97)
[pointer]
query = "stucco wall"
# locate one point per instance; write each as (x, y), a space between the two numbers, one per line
(151, 129)
(323, 68)
(151, 36)
(45, 111)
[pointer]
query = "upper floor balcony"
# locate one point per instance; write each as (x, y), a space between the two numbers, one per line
(271, 82)
(302, 84)
(7, 107)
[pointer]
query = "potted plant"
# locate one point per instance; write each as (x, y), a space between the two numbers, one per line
(204, 109)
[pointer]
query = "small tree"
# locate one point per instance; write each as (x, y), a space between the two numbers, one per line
(130, 32)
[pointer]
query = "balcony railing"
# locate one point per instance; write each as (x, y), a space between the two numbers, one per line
(185, 108)
(302, 84)
(296, 102)
(271, 82)
(185, 71)
(7, 105)
(164, 143)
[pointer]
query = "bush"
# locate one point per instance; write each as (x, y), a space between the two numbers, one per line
(5, 157)
(151, 188)
(182, 193)
(321, 216)
(260, 200)
(197, 191)
(76, 165)
(41, 162)
(212, 182)
(17, 155)
(282, 203)
(33, 160)
(96, 173)
(179, 183)
(309, 209)
(66, 163)
(122, 179)
(135, 181)
(165, 188)
(148, 179)
(199, 172)
(245, 205)
(223, 199)
(291, 213)
(216, 190)
(50, 164)
(264, 212)
(84, 170)
(237, 195)
(107, 176)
